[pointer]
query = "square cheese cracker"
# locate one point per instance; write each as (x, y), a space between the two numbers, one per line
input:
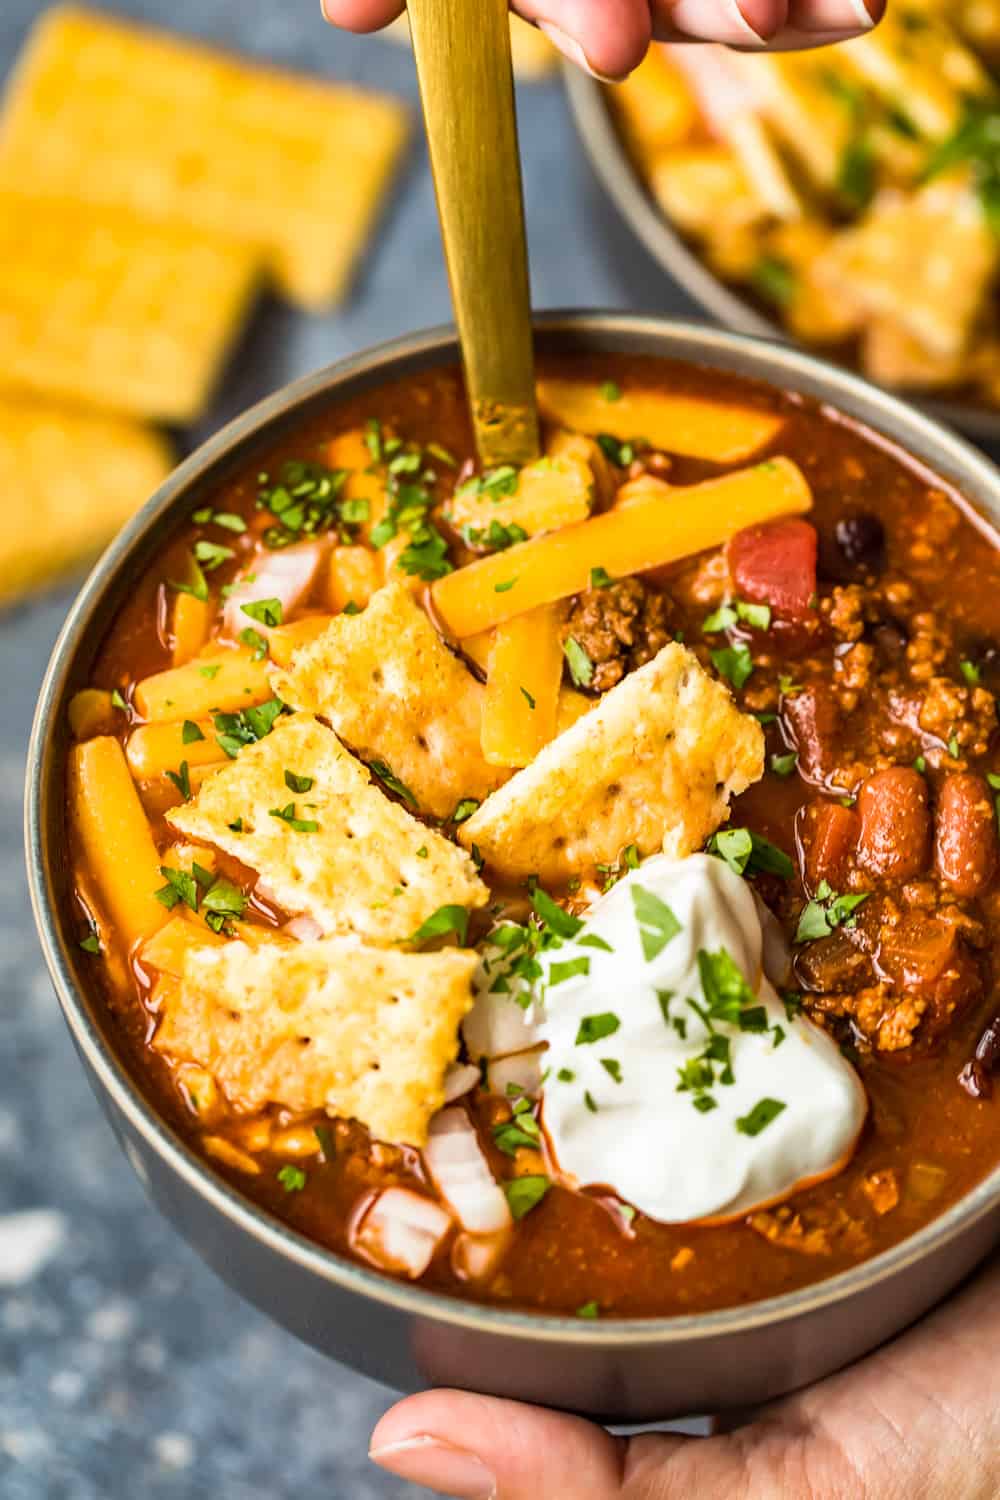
(394, 692)
(368, 867)
(654, 764)
(362, 1032)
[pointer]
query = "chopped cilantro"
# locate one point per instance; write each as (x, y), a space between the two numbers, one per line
(423, 852)
(749, 853)
(825, 912)
(305, 500)
(255, 641)
(784, 765)
(612, 1067)
(181, 779)
(298, 784)
(600, 579)
(350, 608)
(505, 587)
(292, 1179)
(734, 663)
(496, 537)
(522, 1132)
(210, 671)
(211, 555)
(581, 668)
(953, 748)
(657, 923)
(970, 672)
(566, 1075)
(445, 919)
(590, 1309)
(387, 778)
(464, 809)
(558, 921)
(265, 611)
(117, 701)
(286, 814)
(763, 1112)
(528, 698)
(91, 943)
(180, 886)
(324, 1135)
(920, 764)
(560, 972)
(590, 1101)
(611, 391)
(190, 733)
(593, 1028)
(233, 731)
(525, 1193)
(774, 279)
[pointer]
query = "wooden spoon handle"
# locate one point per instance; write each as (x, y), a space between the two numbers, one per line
(462, 50)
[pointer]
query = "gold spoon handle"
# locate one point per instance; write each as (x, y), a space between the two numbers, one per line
(462, 50)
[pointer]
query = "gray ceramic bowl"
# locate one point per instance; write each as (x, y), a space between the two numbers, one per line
(619, 176)
(619, 1370)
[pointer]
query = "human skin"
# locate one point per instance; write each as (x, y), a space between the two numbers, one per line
(610, 37)
(917, 1420)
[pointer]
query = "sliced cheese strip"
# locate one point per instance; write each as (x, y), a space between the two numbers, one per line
(654, 764)
(367, 868)
(361, 1032)
(394, 692)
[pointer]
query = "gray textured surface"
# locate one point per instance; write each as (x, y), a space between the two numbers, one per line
(126, 1369)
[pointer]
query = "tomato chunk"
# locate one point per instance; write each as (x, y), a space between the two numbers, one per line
(776, 565)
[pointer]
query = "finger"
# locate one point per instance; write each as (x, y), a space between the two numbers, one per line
(740, 23)
(607, 38)
(835, 15)
(477, 1448)
(362, 15)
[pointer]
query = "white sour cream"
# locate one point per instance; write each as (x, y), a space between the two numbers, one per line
(642, 1136)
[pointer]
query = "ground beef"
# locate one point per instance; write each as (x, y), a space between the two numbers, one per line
(965, 715)
(619, 628)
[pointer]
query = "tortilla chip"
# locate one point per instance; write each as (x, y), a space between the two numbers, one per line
(69, 481)
(654, 764)
(102, 308)
(925, 262)
(394, 692)
(115, 114)
(368, 868)
(362, 1032)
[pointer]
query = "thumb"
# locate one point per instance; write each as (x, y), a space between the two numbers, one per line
(479, 1448)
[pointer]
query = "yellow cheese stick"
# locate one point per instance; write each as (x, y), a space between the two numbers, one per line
(117, 842)
(646, 533)
(90, 710)
(353, 577)
(155, 749)
(284, 640)
(522, 687)
(166, 950)
(191, 624)
(718, 431)
(224, 682)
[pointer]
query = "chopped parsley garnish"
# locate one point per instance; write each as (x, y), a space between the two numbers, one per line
(351, 608)
(423, 852)
(181, 779)
(445, 919)
(210, 671)
(233, 731)
(976, 141)
(953, 748)
(593, 1028)
(728, 996)
(560, 972)
(442, 455)
(657, 923)
(265, 611)
(558, 921)
(725, 617)
(621, 454)
(774, 279)
(388, 779)
(117, 701)
(505, 587)
(590, 1309)
(180, 886)
(91, 943)
(324, 1135)
(787, 686)
(970, 672)
(255, 641)
(920, 764)
(581, 668)
(496, 537)
(600, 579)
(522, 1132)
(287, 815)
(856, 173)
(792, 1001)
(827, 911)
(292, 1179)
(784, 765)
(305, 500)
(566, 1075)
(734, 663)
(525, 1193)
(590, 1101)
(528, 698)
(496, 484)
(190, 733)
(612, 1067)
(763, 1112)
(749, 853)
(464, 810)
(211, 555)
(222, 901)
(611, 391)
(628, 860)
(665, 997)
(298, 784)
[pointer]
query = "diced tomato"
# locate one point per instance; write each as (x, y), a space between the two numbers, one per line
(829, 837)
(776, 565)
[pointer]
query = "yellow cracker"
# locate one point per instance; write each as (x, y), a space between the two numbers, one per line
(553, 491)
(362, 1032)
(361, 870)
(924, 262)
(654, 764)
(109, 310)
(69, 481)
(391, 688)
(116, 114)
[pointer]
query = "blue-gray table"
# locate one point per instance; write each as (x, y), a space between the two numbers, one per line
(126, 1368)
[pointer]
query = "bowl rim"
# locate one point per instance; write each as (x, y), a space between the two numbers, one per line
(616, 171)
(438, 346)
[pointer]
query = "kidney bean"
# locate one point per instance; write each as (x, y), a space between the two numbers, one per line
(965, 837)
(828, 834)
(895, 823)
(813, 721)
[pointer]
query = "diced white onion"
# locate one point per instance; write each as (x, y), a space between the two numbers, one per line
(305, 928)
(286, 574)
(521, 1071)
(474, 1257)
(458, 1167)
(497, 1024)
(401, 1231)
(458, 1080)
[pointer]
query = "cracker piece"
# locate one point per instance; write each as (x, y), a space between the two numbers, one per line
(924, 262)
(116, 114)
(362, 869)
(654, 764)
(69, 480)
(103, 308)
(363, 1032)
(552, 492)
(394, 692)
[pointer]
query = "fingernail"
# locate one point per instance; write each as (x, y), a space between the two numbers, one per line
(722, 21)
(837, 15)
(570, 47)
(438, 1466)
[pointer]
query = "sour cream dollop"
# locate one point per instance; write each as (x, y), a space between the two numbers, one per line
(771, 1105)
